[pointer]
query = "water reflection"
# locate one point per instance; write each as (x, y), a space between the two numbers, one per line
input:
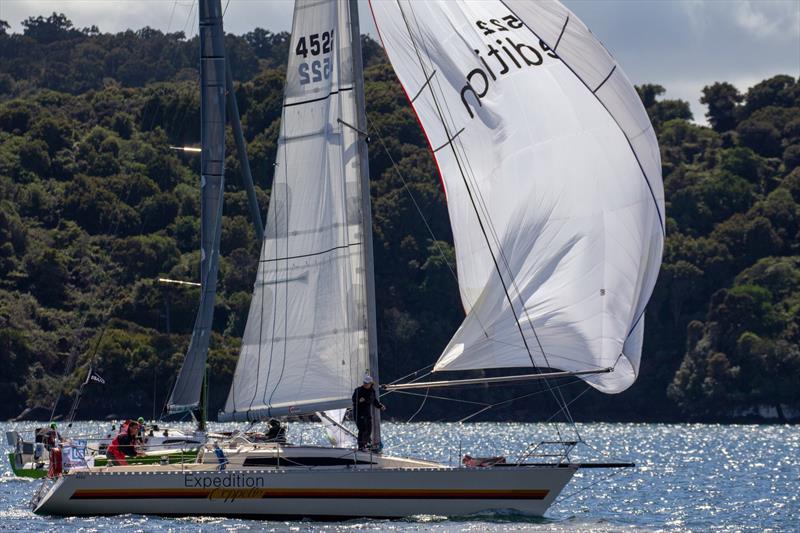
(688, 476)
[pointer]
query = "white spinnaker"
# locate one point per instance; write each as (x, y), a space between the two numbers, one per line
(332, 423)
(553, 180)
(305, 343)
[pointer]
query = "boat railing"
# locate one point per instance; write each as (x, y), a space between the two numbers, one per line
(548, 451)
(89, 458)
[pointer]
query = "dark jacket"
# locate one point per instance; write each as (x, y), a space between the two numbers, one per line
(276, 434)
(362, 409)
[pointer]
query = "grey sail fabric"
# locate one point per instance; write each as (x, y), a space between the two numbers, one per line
(306, 343)
(553, 181)
(186, 392)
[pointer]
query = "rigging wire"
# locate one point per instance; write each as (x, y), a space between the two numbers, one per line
(414, 373)
(573, 400)
(485, 406)
(188, 17)
(436, 241)
(557, 397)
(421, 405)
(68, 369)
(395, 166)
(481, 201)
(446, 398)
(171, 14)
(541, 391)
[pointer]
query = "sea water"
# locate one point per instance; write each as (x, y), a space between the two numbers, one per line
(687, 477)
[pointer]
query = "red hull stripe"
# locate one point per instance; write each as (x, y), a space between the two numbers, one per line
(140, 494)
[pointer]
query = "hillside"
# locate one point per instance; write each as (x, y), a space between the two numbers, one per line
(95, 206)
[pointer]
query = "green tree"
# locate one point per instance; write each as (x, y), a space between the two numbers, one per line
(722, 100)
(48, 275)
(47, 30)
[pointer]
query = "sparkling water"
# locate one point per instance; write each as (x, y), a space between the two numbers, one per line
(687, 477)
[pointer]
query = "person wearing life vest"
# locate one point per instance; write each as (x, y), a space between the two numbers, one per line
(123, 445)
(52, 437)
(140, 434)
(364, 399)
(53, 444)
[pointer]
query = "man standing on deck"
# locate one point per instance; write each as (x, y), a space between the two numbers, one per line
(364, 399)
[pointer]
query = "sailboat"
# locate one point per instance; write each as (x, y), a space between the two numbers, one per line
(553, 183)
(188, 392)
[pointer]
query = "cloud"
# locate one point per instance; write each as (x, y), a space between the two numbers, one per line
(682, 45)
(760, 19)
(768, 20)
(687, 45)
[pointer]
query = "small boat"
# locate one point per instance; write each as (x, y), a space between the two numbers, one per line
(170, 445)
(553, 182)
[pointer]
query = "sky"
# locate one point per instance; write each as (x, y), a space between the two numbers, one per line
(682, 45)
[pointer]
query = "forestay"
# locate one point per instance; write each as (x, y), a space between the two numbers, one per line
(553, 181)
(305, 346)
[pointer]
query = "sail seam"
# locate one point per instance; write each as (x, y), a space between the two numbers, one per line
(624, 133)
(605, 80)
(468, 175)
(320, 334)
(560, 35)
(466, 185)
(312, 100)
(422, 88)
(343, 246)
(453, 138)
(490, 227)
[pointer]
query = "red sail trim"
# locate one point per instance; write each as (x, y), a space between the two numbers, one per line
(414, 109)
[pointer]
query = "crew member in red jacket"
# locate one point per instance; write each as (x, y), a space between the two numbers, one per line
(123, 445)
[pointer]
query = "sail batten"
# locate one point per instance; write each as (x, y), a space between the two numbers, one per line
(552, 175)
(306, 341)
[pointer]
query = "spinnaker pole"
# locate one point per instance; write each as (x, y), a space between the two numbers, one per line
(498, 379)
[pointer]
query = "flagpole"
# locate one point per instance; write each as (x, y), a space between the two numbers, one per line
(74, 408)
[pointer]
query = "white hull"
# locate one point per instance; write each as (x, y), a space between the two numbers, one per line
(317, 493)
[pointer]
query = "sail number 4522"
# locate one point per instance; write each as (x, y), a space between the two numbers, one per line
(314, 70)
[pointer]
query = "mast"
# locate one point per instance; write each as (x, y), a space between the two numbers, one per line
(187, 393)
(366, 210)
(310, 332)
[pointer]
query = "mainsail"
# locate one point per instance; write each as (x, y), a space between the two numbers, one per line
(186, 392)
(553, 181)
(306, 344)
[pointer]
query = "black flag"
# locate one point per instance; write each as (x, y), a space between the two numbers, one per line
(93, 376)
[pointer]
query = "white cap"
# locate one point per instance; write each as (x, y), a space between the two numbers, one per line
(367, 379)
